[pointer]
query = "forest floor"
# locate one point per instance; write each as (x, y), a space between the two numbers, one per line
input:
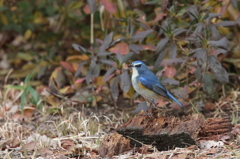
(74, 131)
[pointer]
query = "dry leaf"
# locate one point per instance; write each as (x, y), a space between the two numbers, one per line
(68, 144)
(45, 152)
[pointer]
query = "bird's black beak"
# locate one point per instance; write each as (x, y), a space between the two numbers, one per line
(130, 65)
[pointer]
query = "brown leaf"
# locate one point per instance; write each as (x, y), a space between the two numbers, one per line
(121, 48)
(171, 61)
(57, 80)
(149, 47)
(8, 110)
(209, 106)
(182, 75)
(68, 144)
(45, 152)
(182, 92)
(236, 130)
(11, 143)
(30, 146)
(26, 115)
(82, 57)
(195, 83)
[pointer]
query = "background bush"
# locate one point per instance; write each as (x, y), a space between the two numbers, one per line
(75, 46)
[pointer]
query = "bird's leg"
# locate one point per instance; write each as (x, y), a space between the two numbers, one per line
(149, 111)
(152, 102)
(153, 105)
(150, 106)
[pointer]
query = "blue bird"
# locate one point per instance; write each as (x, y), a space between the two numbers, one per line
(147, 84)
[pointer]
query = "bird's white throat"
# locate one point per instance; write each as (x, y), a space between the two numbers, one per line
(135, 73)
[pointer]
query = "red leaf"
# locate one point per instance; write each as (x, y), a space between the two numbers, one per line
(80, 80)
(68, 66)
(149, 47)
(86, 9)
(159, 15)
(121, 48)
(110, 7)
(169, 71)
(192, 69)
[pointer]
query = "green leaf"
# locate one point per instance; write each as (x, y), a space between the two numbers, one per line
(172, 51)
(79, 48)
(141, 35)
(28, 78)
(25, 56)
(106, 42)
(207, 83)
(161, 45)
(125, 81)
(201, 55)
(135, 48)
(76, 5)
(198, 74)
(126, 57)
(3, 8)
(15, 87)
(108, 73)
(94, 71)
(92, 5)
(227, 23)
(80, 65)
(33, 93)
(159, 59)
(222, 43)
(216, 68)
(114, 88)
(23, 100)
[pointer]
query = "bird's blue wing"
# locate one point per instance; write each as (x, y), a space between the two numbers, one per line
(159, 89)
(155, 87)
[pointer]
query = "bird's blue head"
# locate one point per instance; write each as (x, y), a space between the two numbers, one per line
(138, 67)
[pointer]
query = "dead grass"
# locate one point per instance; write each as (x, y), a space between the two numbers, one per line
(74, 131)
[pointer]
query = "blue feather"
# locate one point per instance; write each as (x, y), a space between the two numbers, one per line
(174, 99)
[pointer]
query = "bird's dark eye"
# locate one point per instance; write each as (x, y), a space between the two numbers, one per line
(138, 65)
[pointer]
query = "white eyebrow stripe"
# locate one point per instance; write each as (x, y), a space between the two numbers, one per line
(137, 63)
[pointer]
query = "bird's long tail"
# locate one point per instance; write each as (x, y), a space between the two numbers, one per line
(174, 99)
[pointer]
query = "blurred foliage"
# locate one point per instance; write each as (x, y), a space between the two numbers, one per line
(84, 47)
